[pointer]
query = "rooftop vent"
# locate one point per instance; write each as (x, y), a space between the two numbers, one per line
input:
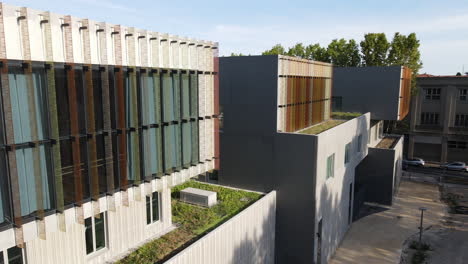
(198, 197)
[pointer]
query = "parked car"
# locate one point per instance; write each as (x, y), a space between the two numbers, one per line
(458, 165)
(414, 162)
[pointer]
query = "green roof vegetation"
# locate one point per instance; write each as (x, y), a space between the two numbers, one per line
(345, 115)
(319, 128)
(193, 221)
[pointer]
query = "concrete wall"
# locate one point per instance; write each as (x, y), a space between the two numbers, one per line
(248, 101)
(380, 173)
(369, 89)
(294, 166)
(248, 237)
(333, 194)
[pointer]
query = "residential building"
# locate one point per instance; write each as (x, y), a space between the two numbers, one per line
(384, 91)
(97, 123)
(439, 119)
(271, 107)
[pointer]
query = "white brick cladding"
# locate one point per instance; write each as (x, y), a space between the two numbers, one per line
(126, 225)
(140, 48)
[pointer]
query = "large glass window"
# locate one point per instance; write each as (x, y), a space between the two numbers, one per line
(152, 208)
(463, 94)
(461, 120)
(131, 113)
(429, 118)
(95, 233)
(4, 201)
(4, 197)
(30, 123)
(347, 156)
(457, 144)
(13, 255)
(359, 143)
(150, 113)
(331, 166)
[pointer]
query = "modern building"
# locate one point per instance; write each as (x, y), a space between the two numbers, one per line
(385, 92)
(271, 107)
(97, 123)
(279, 133)
(439, 119)
(376, 89)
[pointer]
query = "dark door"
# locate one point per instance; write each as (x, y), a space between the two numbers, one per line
(319, 242)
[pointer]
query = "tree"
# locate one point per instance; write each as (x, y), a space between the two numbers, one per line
(297, 50)
(344, 54)
(374, 49)
(276, 50)
(236, 54)
(317, 53)
(404, 50)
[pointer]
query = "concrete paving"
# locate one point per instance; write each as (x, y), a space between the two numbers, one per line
(378, 238)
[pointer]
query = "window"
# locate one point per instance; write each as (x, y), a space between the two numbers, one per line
(463, 94)
(429, 118)
(376, 134)
(432, 93)
(337, 102)
(151, 114)
(152, 208)
(347, 153)
(331, 166)
(13, 255)
(457, 144)
(95, 233)
(461, 120)
(30, 124)
(359, 143)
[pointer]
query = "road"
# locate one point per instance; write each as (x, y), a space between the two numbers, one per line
(439, 175)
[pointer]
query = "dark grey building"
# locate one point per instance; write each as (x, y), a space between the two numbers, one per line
(384, 91)
(270, 105)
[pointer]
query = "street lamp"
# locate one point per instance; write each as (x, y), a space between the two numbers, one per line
(421, 224)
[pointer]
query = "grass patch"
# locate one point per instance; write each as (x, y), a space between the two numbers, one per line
(193, 221)
(345, 115)
(319, 128)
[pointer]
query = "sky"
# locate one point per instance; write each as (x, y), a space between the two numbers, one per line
(251, 27)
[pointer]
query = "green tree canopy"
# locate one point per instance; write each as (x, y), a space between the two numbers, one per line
(374, 49)
(297, 50)
(404, 50)
(276, 50)
(344, 54)
(317, 53)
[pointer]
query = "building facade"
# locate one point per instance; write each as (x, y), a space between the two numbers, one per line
(385, 92)
(97, 123)
(268, 103)
(439, 119)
